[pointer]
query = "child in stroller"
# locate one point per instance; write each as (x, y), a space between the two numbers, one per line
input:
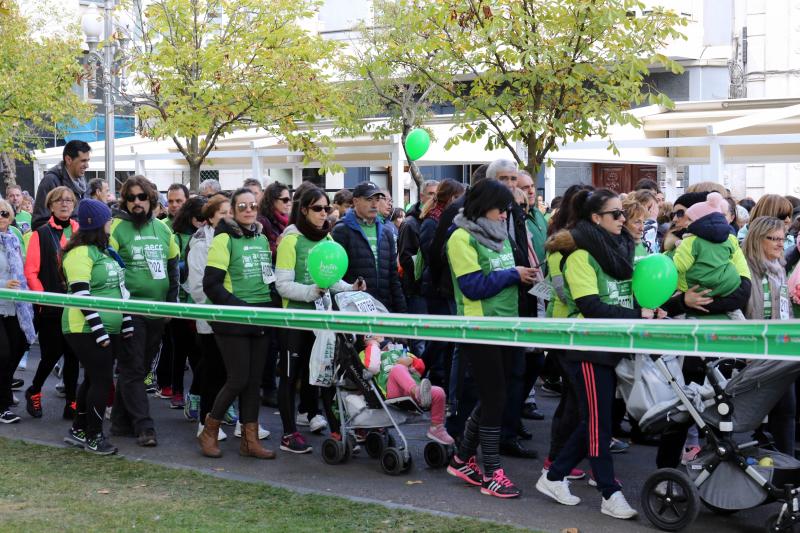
(398, 373)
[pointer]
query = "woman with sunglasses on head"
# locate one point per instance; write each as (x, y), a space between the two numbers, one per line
(309, 226)
(485, 283)
(239, 272)
(16, 319)
(273, 213)
(43, 273)
(598, 276)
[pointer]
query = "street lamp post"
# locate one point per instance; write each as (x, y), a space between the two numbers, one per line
(108, 65)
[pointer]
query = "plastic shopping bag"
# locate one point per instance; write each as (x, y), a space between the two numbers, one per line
(320, 366)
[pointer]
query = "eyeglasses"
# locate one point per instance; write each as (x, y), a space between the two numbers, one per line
(142, 196)
(285, 199)
(507, 178)
(616, 213)
(64, 201)
(768, 237)
(319, 208)
(4, 214)
(680, 213)
(244, 206)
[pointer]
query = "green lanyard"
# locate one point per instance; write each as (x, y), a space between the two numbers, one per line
(767, 299)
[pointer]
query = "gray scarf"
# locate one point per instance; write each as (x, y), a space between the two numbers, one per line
(487, 232)
(776, 276)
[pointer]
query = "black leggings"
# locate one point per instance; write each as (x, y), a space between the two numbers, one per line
(210, 375)
(244, 358)
(98, 376)
(293, 366)
(12, 346)
(184, 346)
(52, 346)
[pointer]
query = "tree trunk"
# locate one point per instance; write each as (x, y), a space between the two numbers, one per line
(194, 176)
(8, 166)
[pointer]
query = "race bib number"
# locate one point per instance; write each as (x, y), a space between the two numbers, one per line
(621, 294)
(542, 290)
(267, 274)
(364, 304)
(156, 267)
(786, 306)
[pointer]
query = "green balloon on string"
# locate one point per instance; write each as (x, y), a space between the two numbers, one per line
(327, 263)
(417, 143)
(655, 279)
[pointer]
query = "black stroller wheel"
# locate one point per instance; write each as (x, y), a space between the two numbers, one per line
(670, 500)
(437, 455)
(719, 511)
(392, 462)
(333, 451)
(785, 526)
(375, 444)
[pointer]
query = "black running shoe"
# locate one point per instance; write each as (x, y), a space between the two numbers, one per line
(16, 383)
(499, 486)
(33, 404)
(468, 472)
(8, 417)
(76, 437)
(99, 445)
(147, 438)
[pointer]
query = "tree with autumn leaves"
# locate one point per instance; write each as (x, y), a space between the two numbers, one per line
(526, 75)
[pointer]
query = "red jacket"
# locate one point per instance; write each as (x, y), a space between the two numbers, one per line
(33, 258)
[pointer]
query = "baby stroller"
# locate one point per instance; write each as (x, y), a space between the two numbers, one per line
(362, 405)
(726, 476)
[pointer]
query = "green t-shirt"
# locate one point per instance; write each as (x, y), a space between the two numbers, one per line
(556, 307)
(293, 255)
(145, 252)
(584, 277)
(371, 231)
(105, 278)
(247, 262)
(467, 255)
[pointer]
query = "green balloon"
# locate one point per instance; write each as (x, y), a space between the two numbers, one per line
(417, 143)
(655, 279)
(327, 263)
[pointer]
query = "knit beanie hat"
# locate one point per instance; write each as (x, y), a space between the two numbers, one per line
(93, 214)
(690, 198)
(714, 203)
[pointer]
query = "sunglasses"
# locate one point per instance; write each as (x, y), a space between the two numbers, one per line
(142, 196)
(768, 237)
(4, 214)
(680, 213)
(784, 216)
(616, 213)
(243, 206)
(320, 208)
(285, 199)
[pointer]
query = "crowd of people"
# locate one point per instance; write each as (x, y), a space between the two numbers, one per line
(492, 249)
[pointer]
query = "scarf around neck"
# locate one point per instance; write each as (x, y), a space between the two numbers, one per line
(614, 253)
(13, 254)
(310, 231)
(489, 233)
(776, 277)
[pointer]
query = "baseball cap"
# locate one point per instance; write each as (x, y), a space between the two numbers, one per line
(366, 189)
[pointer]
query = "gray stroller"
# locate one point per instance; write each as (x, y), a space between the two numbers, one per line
(727, 475)
(362, 406)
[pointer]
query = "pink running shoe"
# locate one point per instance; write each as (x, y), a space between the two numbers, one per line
(468, 472)
(576, 473)
(499, 486)
(439, 434)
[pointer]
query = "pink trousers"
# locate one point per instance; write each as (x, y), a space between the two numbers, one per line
(400, 383)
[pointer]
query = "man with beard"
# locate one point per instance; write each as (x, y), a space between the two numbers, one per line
(148, 249)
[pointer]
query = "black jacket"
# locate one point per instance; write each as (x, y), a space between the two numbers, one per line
(438, 264)
(213, 286)
(383, 281)
(54, 177)
(519, 244)
(407, 248)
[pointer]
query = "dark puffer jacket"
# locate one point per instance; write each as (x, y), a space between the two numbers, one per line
(383, 282)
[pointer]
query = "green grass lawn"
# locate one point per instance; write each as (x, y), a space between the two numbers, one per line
(51, 489)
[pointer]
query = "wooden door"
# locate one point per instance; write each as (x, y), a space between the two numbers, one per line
(616, 177)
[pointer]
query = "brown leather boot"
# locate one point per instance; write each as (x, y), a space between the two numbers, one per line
(250, 447)
(208, 438)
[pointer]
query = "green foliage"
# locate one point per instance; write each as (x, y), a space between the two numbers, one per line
(538, 72)
(205, 68)
(38, 70)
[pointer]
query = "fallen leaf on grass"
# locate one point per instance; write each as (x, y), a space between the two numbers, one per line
(103, 491)
(413, 482)
(570, 530)
(219, 470)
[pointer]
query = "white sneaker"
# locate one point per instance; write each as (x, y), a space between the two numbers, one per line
(558, 490)
(318, 423)
(220, 437)
(424, 393)
(262, 433)
(617, 506)
(302, 419)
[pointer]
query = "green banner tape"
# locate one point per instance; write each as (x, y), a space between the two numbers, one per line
(752, 339)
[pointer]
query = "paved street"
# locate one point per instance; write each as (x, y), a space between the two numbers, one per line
(362, 477)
